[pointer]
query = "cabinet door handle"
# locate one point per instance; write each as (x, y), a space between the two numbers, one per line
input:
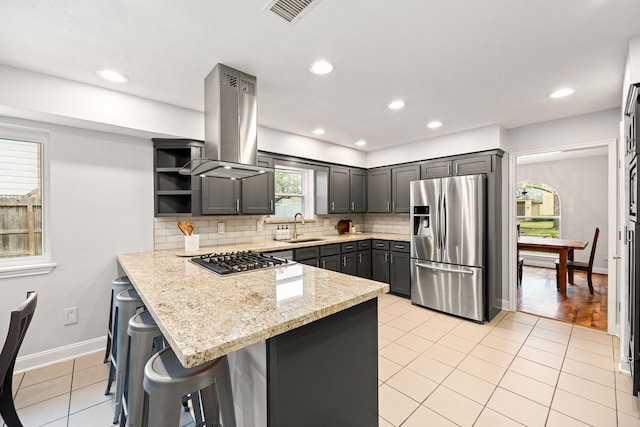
(398, 246)
(353, 206)
(317, 263)
(333, 206)
(391, 258)
(388, 207)
(449, 169)
(324, 264)
(386, 257)
(359, 258)
(344, 261)
(457, 168)
(379, 245)
(271, 205)
(237, 205)
(394, 206)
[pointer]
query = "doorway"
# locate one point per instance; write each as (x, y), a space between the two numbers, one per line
(585, 177)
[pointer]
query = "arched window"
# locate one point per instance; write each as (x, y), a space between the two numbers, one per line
(538, 209)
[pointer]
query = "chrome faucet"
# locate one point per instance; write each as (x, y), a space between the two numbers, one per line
(295, 223)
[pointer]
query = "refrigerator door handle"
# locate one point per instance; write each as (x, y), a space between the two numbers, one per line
(444, 220)
(448, 270)
(439, 229)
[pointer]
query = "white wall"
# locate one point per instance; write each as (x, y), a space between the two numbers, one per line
(572, 130)
(101, 204)
(301, 146)
(581, 184)
(486, 138)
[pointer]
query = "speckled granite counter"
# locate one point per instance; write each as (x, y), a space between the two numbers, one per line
(278, 245)
(204, 316)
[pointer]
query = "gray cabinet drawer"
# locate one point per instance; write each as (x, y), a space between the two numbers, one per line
(380, 244)
(326, 250)
(348, 247)
(364, 244)
(305, 253)
(398, 246)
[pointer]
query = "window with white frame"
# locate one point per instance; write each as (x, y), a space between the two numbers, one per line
(293, 192)
(22, 203)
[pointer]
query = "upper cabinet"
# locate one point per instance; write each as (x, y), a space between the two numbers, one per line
(347, 191)
(255, 195)
(388, 188)
(258, 192)
(470, 165)
(175, 194)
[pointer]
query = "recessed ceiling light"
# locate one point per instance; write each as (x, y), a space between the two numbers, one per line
(561, 93)
(113, 76)
(318, 131)
(434, 124)
(361, 142)
(321, 67)
(396, 105)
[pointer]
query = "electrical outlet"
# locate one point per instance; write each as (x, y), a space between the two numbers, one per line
(221, 228)
(70, 316)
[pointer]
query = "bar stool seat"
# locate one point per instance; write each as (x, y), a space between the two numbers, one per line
(127, 304)
(145, 339)
(166, 381)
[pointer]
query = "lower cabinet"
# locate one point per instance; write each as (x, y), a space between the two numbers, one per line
(380, 260)
(363, 268)
(400, 269)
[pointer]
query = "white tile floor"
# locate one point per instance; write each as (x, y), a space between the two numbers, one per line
(434, 370)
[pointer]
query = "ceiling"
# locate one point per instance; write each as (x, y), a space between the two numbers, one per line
(466, 63)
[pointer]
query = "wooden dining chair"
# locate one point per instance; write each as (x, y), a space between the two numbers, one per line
(520, 261)
(582, 266)
(19, 323)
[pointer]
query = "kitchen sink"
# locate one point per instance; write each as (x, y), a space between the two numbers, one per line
(305, 239)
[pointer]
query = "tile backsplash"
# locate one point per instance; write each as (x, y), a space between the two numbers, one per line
(244, 229)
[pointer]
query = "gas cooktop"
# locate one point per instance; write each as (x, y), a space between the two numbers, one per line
(237, 262)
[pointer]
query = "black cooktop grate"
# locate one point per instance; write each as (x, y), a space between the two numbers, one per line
(237, 262)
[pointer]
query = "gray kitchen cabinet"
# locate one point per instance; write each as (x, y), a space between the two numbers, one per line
(464, 165)
(400, 269)
(435, 169)
(472, 165)
(364, 259)
(388, 188)
(308, 256)
(380, 260)
(174, 193)
(379, 190)
(330, 257)
(349, 259)
(338, 190)
(258, 192)
(400, 188)
(220, 196)
(347, 190)
(357, 190)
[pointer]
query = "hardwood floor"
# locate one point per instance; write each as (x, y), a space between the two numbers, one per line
(538, 295)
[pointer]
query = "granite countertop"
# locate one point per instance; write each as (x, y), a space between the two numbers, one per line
(279, 245)
(204, 316)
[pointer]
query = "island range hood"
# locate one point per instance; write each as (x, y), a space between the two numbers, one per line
(230, 128)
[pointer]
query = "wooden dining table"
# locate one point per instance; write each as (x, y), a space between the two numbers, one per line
(563, 247)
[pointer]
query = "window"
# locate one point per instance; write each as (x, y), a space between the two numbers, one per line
(538, 209)
(293, 191)
(23, 248)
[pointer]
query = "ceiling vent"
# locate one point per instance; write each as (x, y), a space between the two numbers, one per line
(291, 10)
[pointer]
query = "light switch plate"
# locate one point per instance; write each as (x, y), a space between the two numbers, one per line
(70, 316)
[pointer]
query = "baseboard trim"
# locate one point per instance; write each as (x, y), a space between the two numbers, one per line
(59, 354)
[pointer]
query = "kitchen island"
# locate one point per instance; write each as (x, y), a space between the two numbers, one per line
(310, 335)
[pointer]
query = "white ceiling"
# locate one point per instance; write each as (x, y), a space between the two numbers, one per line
(467, 63)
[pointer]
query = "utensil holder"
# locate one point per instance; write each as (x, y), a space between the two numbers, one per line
(192, 243)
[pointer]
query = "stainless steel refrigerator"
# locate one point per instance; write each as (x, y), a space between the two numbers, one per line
(448, 220)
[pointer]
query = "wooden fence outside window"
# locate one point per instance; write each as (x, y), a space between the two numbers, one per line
(20, 226)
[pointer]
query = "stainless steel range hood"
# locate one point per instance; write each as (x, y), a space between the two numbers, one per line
(230, 127)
